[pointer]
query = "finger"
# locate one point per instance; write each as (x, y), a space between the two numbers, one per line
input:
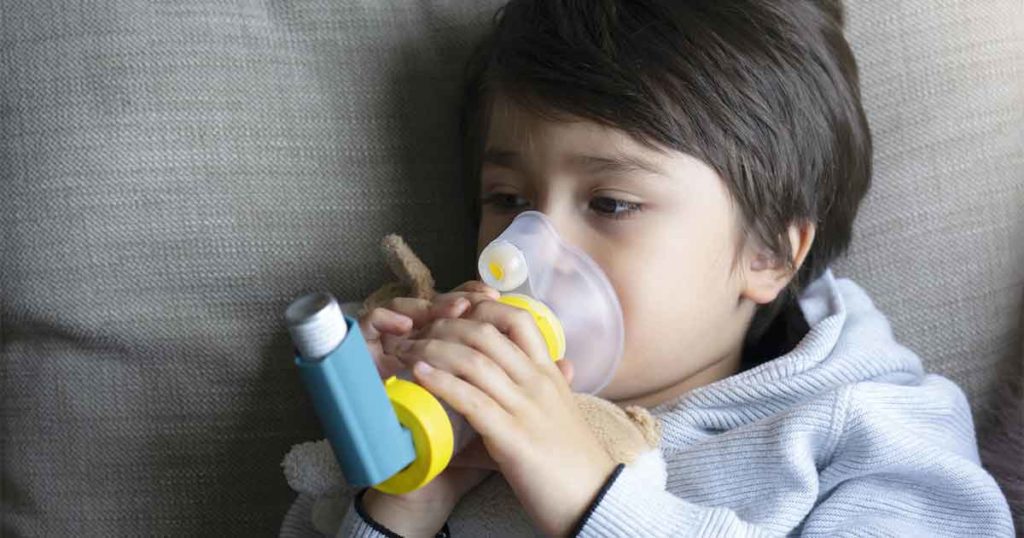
(478, 286)
(389, 365)
(423, 311)
(381, 320)
(467, 363)
(454, 303)
(450, 305)
(490, 342)
(519, 326)
(389, 344)
(481, 411)
(416, 309)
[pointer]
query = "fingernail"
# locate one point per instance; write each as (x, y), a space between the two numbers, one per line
(422, 367)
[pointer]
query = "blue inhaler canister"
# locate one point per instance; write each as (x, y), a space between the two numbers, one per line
(350, 399)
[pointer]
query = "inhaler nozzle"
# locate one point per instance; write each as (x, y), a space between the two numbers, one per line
(530, 258)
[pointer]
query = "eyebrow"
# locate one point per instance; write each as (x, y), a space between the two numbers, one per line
(592, 163)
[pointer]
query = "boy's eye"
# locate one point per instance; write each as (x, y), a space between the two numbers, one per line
(614, 208)
(505, 201)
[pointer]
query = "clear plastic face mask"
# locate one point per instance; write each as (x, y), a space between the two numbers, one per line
(530, 258)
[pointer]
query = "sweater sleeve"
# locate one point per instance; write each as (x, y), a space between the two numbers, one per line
(630, 507)
(905, 464)
(358, 524)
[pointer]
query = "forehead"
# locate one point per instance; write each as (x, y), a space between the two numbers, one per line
(522, 139)
(517, 131)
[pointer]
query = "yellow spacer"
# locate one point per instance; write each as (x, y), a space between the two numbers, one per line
(422, 414)
(547, 322)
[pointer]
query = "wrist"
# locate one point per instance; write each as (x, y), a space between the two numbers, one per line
(405, 517)
(582, 521)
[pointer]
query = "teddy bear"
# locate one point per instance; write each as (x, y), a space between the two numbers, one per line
(630, 435)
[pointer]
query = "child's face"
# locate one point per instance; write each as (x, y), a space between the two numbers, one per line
(666, 238)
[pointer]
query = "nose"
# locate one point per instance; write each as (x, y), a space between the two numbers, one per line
(564, 220)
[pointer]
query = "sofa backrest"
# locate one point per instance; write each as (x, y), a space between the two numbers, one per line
(939, 242)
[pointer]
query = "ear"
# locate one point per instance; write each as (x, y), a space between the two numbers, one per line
(765, 275)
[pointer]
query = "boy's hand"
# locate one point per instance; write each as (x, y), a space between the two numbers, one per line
(492, 366)
(383, 326)
(422, 512)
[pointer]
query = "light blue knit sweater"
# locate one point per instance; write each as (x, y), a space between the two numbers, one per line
(843, 436)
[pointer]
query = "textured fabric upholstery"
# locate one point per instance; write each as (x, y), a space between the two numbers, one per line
(939, 242)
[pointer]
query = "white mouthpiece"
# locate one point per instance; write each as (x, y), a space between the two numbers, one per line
(503, 266)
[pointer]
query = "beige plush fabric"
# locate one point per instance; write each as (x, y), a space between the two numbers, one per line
(172, 174)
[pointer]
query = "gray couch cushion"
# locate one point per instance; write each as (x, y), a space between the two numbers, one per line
(172, 174)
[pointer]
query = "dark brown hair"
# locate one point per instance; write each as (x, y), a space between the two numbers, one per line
(763, 91)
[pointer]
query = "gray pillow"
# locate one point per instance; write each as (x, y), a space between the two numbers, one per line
(173, 174)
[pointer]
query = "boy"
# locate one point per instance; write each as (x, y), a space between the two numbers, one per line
(710, 156)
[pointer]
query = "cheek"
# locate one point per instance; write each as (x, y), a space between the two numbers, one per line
(652, 276)
(666, 269)
(674, 287)
(660, 298)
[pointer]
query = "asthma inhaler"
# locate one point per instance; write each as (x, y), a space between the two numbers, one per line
(396, 436)
(391, 435)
